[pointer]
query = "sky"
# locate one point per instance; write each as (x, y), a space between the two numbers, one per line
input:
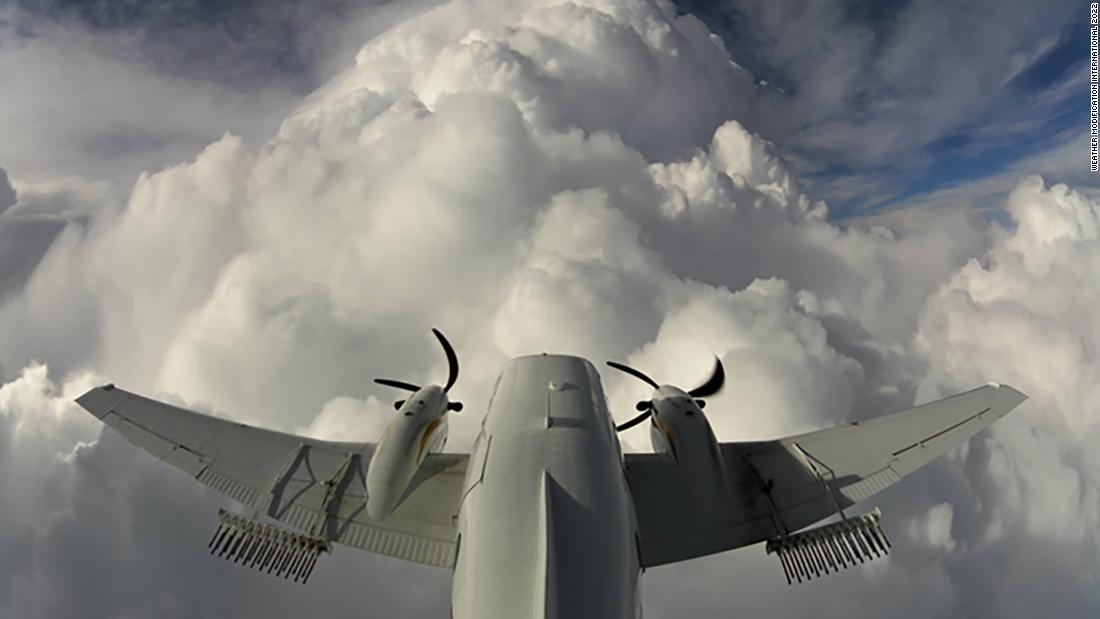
(252, 209)
(898, 99)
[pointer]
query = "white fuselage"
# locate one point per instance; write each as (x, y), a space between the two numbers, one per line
(547, 527)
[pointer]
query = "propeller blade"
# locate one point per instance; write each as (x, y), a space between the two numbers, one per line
(633, 422)
(635, 373)
(713, 384)
(452, 360)
(389, 382)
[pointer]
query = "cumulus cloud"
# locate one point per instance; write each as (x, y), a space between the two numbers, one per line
(577, 178)
(32, 215)
(760, 332)
(935, 528)
(1031, 293)
(131, 117)
(85, 534)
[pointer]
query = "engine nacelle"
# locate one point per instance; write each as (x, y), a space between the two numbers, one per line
(680, 429)
(419, 429)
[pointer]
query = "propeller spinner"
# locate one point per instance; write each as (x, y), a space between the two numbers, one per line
(709, 387)
(452, 375)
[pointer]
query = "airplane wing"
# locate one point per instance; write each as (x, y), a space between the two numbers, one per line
(317, 487)
(780, 486)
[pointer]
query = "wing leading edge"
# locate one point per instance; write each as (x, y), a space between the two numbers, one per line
(317, 487)
(780, 486)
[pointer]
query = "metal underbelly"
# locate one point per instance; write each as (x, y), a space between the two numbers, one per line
(547, 526)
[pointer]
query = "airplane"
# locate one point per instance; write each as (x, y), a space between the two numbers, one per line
(546, 517)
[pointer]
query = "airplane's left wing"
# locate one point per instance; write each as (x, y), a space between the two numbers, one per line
(317, 487)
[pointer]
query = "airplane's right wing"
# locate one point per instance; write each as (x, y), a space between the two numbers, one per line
(781, 486)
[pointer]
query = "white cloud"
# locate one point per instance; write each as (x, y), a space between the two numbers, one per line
(78, 103)
(1025, 314)
(583, 259)
(348, 419)
(934, 529)
(491, 171)
(43, 432)
(783, 376)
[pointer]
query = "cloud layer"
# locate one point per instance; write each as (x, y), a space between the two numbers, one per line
(578, 178)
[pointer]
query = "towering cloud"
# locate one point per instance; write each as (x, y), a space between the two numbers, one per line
(585, 178)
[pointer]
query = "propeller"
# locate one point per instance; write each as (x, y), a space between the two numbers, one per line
(710, 386)
(452, 375)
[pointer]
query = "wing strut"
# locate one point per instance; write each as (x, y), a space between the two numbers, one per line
(280, 481)
(810, 460)
(335, 489)
(766, 489)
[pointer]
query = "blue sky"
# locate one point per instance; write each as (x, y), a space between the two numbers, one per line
(913, 60)
(975, 150)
